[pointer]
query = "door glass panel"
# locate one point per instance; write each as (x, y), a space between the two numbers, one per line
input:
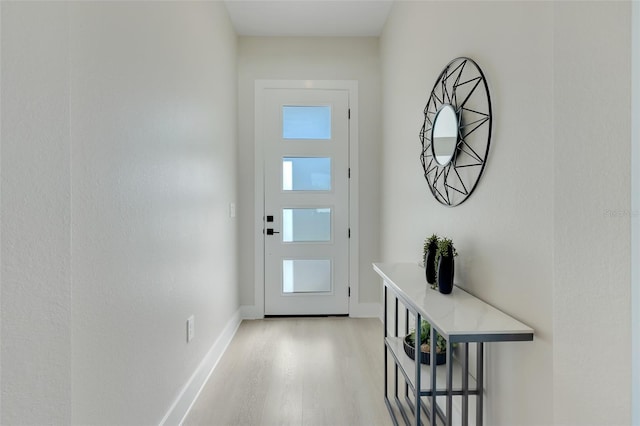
(306, 276)
(306, 122)
(306, 174)
(300, 225)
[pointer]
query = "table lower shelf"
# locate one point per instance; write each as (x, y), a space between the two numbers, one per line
(406, 366)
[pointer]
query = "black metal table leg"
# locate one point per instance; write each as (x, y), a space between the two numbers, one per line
(449, 384)
(417, 357)
(480, 380)
(433, 375)
(465, 385)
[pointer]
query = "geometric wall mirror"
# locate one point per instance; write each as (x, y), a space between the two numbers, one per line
(456, 132)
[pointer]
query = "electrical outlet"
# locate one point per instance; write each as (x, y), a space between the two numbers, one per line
(232, 209)
(190, 328)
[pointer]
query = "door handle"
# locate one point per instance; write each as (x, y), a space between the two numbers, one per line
(270, 231)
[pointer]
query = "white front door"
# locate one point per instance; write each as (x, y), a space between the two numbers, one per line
(306, 206)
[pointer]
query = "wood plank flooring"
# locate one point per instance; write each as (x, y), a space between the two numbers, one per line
(298, 371)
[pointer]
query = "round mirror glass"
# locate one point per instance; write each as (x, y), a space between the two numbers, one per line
(444, 135)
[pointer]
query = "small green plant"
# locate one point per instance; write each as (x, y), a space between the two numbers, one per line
(425, 338)
(445, 247)
(430, 242)
(428, 254)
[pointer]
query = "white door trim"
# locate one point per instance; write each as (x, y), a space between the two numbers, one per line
(352, 87)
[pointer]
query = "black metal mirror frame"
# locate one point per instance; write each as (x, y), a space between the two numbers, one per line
(447, 184)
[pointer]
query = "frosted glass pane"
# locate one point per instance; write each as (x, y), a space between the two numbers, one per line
(306, 122)
(304, 225)
(306, 276)
(306, 174)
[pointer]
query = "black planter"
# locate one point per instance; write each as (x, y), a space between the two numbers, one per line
(430, 264)
(446, 270)
(425, 358)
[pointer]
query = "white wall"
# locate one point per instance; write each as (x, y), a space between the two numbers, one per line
(504, 231)
(0, 214)
(592, 204)
(36, 214)
(310, 58)
(118, 165)
(546, 236)
(635, 213)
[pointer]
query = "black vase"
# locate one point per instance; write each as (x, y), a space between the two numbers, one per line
(430, 264)
(446, 270)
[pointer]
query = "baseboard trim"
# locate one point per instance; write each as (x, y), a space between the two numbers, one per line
(366, 310)
(189, 394)
(251, 312)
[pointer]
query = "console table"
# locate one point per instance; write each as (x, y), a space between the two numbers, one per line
(461, 319)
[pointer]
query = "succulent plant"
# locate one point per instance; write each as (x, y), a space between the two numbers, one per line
(430, 242)
(445, 248)
(425, 338)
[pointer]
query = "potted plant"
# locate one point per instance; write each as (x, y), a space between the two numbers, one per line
(429, 255)
(446, 269)
(425, 345)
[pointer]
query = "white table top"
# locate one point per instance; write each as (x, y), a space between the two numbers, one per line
(459, 316)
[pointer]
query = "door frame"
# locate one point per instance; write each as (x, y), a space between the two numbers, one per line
(351, 86)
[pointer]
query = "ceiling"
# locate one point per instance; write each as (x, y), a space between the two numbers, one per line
(320, 18)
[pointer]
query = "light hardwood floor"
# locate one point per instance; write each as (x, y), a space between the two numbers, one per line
(298, 371)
